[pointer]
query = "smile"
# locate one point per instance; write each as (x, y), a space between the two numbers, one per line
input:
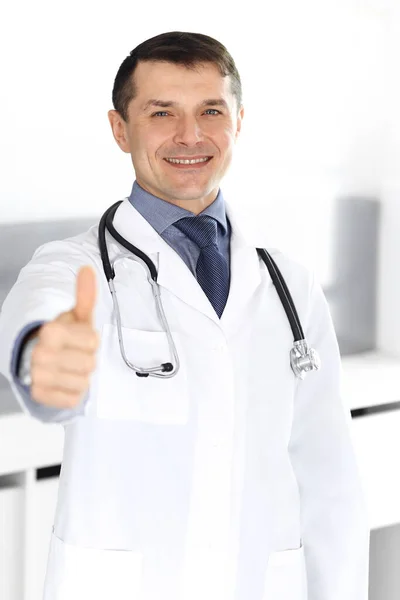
(188, 163)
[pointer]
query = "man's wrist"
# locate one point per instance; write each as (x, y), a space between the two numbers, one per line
(24, 368)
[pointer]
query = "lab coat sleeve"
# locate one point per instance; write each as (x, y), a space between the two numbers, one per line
(334, 520)
(45, 287)
(46, 414)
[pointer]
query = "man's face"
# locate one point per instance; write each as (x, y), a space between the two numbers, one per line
(179, 113)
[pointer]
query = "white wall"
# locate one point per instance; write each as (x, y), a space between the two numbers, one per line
(390, 251)
(316, 81)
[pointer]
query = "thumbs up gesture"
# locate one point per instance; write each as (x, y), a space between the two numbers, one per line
(64, 356)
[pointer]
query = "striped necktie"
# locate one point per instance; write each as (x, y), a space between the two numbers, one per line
(212, 269)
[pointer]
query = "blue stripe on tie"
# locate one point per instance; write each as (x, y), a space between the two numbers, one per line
(212, 269)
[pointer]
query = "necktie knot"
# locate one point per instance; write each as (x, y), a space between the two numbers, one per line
(202, 230)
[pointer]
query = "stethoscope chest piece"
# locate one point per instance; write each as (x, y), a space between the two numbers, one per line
(304, 359)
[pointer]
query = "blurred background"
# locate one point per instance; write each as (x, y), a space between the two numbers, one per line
(317, 163)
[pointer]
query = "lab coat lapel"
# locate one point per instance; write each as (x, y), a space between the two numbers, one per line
(245, 273)
(174, 275)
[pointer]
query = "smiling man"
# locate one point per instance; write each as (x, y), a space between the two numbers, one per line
(180, 131)
(225, 476)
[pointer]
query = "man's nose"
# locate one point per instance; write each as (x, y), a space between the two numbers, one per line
(188, 131)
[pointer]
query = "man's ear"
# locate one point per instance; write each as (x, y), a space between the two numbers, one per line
(118, 128)
(239, 122)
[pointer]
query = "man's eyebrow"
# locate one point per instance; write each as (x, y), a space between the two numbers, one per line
(170, 103)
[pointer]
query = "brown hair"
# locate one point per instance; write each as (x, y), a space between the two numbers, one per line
(188, 49)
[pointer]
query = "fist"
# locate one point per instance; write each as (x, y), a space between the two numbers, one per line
(64, 356)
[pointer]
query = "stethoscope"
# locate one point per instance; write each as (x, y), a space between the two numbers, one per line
(302, 358)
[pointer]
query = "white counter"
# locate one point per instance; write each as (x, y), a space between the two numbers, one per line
(370, 379)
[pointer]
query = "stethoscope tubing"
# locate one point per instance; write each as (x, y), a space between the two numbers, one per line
(302, 358)
(285, 296)
(283, 293)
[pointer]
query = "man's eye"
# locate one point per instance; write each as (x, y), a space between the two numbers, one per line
(163, 112)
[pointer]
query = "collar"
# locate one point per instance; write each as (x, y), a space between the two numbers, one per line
(160, 214)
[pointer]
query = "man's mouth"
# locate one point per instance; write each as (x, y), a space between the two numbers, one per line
(188, 163)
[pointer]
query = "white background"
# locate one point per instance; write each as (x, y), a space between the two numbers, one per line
(321, 96)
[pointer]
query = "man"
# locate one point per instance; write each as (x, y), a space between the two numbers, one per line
(233, 479)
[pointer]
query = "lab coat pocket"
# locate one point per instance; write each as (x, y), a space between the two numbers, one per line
(121, 394)
(286, 576)
(78, 573)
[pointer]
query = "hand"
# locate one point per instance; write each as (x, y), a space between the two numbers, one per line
(65, 355)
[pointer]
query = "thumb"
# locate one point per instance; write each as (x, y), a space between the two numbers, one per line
(85, 294)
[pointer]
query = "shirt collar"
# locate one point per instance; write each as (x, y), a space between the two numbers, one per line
(160, 214)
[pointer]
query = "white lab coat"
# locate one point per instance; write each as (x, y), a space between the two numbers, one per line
(233, 480)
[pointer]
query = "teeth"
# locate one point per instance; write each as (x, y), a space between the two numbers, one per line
(186, 162)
